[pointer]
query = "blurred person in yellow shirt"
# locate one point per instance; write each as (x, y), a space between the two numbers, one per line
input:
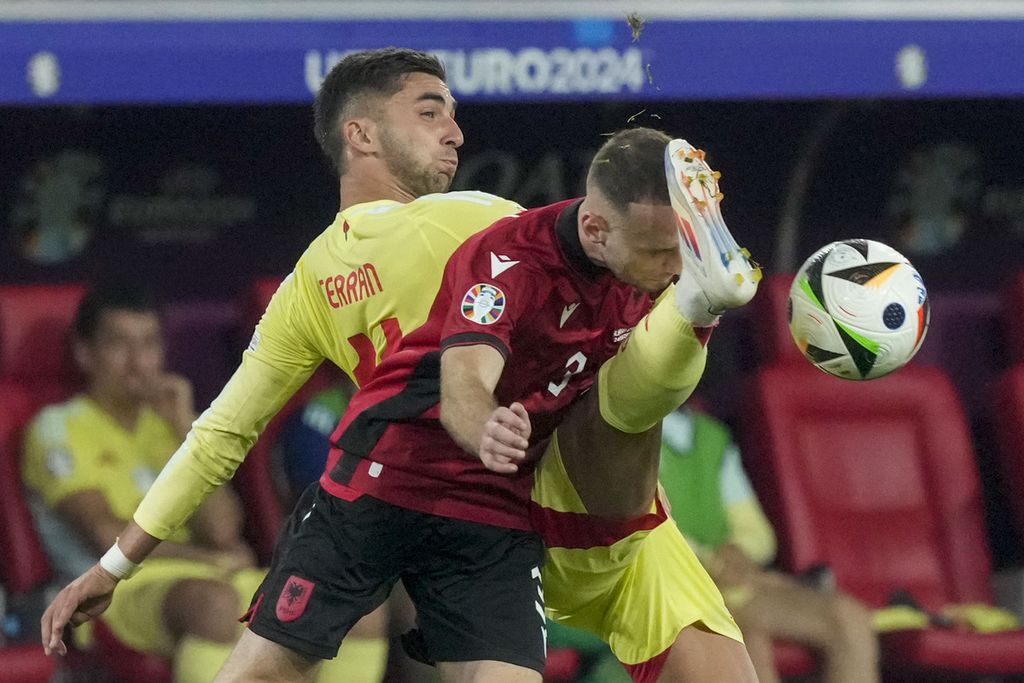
(89, 461)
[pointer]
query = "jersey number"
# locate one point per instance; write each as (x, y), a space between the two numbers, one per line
(368, 353)
(574, 366)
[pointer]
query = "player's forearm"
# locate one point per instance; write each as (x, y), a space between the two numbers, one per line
(136, 544)
(465, 408)
(469, 375)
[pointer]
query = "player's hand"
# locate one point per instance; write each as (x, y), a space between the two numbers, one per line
(171, 397)
(82, 600)
(505, 438)
(730, 566)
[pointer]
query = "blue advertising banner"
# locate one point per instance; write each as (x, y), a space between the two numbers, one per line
(606, 59)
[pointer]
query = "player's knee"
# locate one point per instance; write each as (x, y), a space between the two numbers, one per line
(852, 623)
(203, 608)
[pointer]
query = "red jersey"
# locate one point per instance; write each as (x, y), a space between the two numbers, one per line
(525, 287)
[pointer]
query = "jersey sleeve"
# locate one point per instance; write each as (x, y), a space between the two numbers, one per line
(55, 466)
(285, 350)
(487, 295)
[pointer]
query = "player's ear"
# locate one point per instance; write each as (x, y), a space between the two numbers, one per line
(360, 135)
(595, 227)
(81, 350)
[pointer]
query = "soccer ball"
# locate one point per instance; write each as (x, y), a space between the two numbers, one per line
(858, 309)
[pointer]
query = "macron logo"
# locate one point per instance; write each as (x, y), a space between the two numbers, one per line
(500, 263)
(566, 312)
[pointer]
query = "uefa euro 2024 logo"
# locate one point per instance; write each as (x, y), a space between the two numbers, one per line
(59, 201)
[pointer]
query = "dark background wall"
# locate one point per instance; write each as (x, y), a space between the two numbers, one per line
(201, 199)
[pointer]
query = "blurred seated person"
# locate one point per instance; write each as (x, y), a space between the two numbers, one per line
(87, 464)
(716, 509)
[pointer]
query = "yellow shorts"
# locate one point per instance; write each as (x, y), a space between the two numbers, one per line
(135, 615)
(634, 584)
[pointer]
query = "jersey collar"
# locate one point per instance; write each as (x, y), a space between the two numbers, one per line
(567, 229)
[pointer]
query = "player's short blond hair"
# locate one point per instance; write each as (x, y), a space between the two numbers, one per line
(630, 167)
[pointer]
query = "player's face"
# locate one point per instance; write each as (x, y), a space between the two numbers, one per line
(125, 356)
(419, 135)
(642, 248)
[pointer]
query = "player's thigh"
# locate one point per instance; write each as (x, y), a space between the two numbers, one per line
(478, 594)
(614, 473)
(487, 672)
(258, 660)
(335, 562)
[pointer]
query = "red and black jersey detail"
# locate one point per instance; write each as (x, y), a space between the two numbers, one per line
(420, 394)
(525, 287)
(471, 338)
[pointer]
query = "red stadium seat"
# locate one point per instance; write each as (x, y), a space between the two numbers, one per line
(878, 481)
(256, 302)
(26, 664)
(23, 563)
(1008, 423)
(124, 664)
(769, 314)
(34, 324)
(202, 344)
(1013, 305)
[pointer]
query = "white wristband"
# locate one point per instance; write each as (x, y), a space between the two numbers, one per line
(115, 562)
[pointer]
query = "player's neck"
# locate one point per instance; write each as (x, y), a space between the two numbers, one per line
(590, 250)
(368, 184)
(125, 412)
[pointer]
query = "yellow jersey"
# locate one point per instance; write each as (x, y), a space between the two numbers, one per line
(77, 446)
(370, 276)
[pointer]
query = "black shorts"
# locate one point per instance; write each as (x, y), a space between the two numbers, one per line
(476, 587)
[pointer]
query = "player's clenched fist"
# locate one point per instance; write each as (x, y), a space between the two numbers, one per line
(505, 436)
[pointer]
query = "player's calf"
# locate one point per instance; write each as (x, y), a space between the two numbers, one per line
(614, 472)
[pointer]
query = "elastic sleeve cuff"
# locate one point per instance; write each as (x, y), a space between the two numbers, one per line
(474, 338)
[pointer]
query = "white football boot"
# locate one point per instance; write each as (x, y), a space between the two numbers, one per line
(711, 257)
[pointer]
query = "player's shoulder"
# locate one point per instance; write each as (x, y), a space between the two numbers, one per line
(60, 422)
(463, 210)
(466, 199)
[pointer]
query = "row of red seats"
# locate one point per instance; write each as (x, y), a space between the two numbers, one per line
(875, 479)
(879, 481)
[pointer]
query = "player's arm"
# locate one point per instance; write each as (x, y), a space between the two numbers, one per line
(749, 528)
(471, 415)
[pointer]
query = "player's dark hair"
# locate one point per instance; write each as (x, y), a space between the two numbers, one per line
(370, 72)
(630, 167)
(110, 296)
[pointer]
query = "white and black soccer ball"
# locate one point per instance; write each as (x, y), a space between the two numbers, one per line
(858, 309)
